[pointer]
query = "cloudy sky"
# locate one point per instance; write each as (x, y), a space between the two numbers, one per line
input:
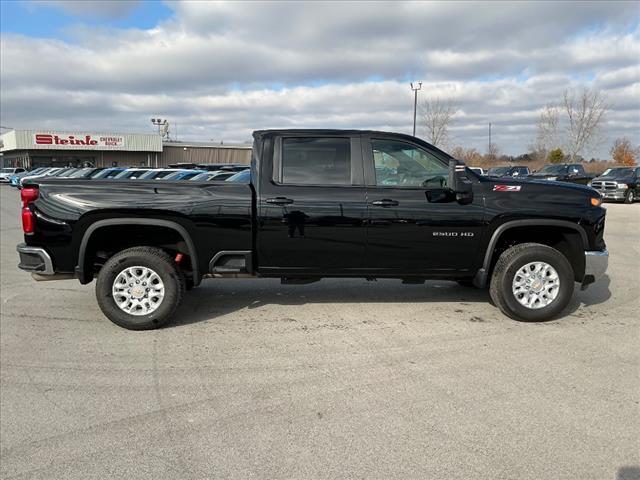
(221, 70)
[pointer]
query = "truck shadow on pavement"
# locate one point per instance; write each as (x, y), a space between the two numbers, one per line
(215, 299)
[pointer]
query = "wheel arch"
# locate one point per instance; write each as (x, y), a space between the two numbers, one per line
(85, 274)
(499, 233)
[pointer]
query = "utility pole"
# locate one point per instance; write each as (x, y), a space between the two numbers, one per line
(490, 154)
(415, 103)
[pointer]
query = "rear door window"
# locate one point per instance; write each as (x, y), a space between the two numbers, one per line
(315, 161)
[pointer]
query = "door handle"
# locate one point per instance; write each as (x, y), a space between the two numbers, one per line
(279, 201)
(386, 202)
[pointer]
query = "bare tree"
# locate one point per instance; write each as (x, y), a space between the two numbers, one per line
(585, 115)
(437, 115)
(493, 152)
(548, 133)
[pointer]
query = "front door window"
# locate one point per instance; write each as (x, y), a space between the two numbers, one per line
(400, 164)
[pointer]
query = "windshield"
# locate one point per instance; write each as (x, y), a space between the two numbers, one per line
(221, 176)
(81, 173)
(618, 172)
(173, 175)
(201, 177)
(242, 177)
(553, 169)
(498, 171)
(132, 174)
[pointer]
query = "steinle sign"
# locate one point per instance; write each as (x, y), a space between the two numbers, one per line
(78, 141)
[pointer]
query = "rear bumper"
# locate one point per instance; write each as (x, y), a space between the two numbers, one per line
(35, 260)
(595, 266)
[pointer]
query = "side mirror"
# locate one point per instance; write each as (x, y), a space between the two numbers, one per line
(459, 183)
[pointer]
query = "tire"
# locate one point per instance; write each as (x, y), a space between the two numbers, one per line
(629, 197)
(512, 263)
(166, 274)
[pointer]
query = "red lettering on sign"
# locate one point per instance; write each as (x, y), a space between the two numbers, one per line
(42, 139)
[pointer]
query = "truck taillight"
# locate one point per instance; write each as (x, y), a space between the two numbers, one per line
(27, 220)
(28, 195)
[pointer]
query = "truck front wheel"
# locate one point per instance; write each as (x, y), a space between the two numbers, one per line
(532, 282)
(139, 288)
(629, 197)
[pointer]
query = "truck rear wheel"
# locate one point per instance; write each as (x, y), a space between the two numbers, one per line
(140, 288)
(532, 282)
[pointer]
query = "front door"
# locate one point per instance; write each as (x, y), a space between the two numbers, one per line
(415, 224)
(312, 208)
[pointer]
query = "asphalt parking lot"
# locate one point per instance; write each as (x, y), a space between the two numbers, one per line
(338, 379)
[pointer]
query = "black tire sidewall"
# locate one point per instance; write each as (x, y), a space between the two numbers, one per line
(629, 197)
(537, 254)
(170, 278)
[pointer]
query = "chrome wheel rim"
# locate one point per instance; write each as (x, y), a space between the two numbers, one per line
(138, 290)
(536, 285)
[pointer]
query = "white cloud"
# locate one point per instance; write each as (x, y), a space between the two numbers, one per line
(221, 70)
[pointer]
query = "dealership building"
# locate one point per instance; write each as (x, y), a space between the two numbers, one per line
(38, 148)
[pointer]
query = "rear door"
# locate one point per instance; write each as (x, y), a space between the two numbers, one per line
(413, 226)
(311, 205)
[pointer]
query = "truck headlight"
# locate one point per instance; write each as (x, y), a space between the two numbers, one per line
(552, 178)
(622, 185)
(589, 184)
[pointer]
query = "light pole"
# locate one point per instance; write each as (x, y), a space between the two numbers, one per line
(159, 122)
(490, 152)
(415, 103)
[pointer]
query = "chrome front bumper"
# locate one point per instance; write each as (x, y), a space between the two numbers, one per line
(35, 260)
(617, 194)
(595, 266)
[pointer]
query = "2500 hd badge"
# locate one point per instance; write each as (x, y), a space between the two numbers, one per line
(453, 234)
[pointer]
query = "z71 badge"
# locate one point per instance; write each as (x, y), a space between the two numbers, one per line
(507, 188)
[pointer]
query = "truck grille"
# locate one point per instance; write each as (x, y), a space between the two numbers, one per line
(604, 185)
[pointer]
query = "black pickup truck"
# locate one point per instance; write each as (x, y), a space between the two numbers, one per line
(321, 203)
(621, 183)
(565, 172)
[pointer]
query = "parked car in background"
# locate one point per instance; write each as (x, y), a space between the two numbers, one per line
(108, 173)
(622, 184)
(478, 170)
(203, 177)
(45, 173)
(159, 173)
(131, 173)
(229, 167)
(66, 172)
(14, 180)
(241, 177)
(222, 175)
(87, 172)
(508, 171)
(183, 175)
(7, 173)
(563, 172)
